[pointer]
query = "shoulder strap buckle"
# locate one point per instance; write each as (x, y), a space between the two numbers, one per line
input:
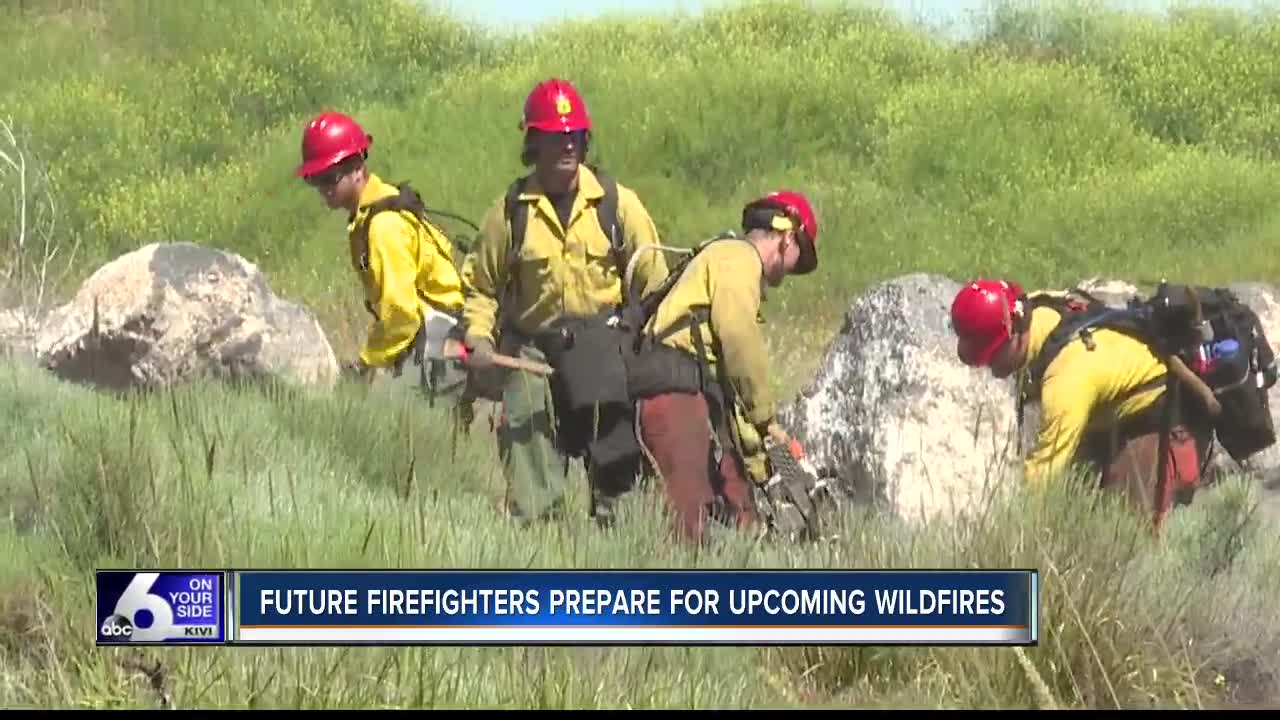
(1086, 337)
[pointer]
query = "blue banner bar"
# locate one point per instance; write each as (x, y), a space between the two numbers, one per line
(688, 607)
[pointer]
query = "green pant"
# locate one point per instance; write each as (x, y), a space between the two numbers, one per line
(536, 470)
(440, 381)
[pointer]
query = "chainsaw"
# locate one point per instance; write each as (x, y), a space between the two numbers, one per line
(794, 496)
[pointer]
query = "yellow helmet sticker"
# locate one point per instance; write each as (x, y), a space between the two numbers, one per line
(563, 106)
(781, 223)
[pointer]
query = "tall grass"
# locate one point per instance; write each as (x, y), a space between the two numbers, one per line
(1064, 142)
(206, 476)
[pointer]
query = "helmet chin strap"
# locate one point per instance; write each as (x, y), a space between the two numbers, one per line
(1020, 319)
(788, 241)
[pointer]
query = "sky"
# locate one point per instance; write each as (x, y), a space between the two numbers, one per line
(953, 14)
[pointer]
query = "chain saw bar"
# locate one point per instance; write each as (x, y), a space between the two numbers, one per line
(793, 498)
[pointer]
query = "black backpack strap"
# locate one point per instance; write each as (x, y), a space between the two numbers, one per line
(516, 212)
(1071, 326)
(1129, 321)
(407, 199)
(400, 201)
(1079, 325)
(1020, 413)
(607, 213)
(648, 304)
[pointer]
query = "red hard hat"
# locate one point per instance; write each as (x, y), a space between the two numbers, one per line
(555, 106)
(982, 316)
(796, 207)
(329, 139)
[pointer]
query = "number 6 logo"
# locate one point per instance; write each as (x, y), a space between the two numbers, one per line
(137, 596)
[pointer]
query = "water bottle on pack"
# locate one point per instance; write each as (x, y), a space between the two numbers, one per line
(1211, 353)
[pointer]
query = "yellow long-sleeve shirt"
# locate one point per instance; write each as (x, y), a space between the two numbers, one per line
(560, 271)
(727, 279)
(406, 266)
(1084, 390)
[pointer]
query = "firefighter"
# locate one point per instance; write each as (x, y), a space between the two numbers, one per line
(404, 262)
(555, 247)
(703, 423)
(1100, 401)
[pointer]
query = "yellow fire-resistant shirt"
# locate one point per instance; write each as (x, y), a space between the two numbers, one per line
(1085, 390)
(406, 267)
(560, 271)
(725, 279)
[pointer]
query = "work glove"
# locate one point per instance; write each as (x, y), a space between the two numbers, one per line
(480, 354)
(774, 433)
(783, 499)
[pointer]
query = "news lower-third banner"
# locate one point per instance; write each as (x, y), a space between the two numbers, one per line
(568, 607)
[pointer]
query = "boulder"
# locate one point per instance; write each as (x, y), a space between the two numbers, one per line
(1110, 291)
(894, 414)
(167, 313)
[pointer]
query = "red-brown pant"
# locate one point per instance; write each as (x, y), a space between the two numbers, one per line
(1133, 471)
(675, 431)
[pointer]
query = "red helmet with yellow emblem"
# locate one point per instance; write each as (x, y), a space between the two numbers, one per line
(555, 106)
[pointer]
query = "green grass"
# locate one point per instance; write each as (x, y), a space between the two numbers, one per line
(1067, 141)
(207, 476)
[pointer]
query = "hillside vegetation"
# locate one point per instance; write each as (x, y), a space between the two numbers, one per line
(1065, 142)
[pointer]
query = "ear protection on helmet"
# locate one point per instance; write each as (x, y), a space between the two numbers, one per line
(765, 217)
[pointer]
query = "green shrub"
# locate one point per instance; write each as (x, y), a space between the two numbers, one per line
(1203, 76)
(996, 129)
(1175, 219)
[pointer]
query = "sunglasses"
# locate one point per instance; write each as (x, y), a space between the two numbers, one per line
(328, 178)
(578, 137)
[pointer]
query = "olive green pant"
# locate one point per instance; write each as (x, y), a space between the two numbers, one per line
(440, 381)
(536, 470)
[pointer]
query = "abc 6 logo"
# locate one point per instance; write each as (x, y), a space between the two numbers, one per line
(116, 627)
(135, 598)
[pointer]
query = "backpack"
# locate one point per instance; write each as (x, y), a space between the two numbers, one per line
(409, 200)
(641, 310)
(654, 368)
(1181, 324)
